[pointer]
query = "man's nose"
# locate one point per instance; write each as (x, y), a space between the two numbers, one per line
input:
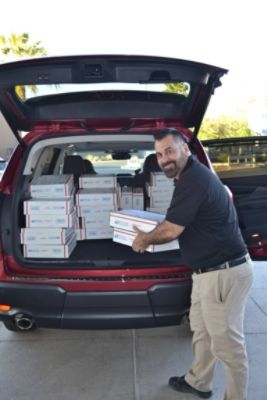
(164, 159)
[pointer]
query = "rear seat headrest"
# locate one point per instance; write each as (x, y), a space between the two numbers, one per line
(89, 168)
(151, 164)
(74, 165)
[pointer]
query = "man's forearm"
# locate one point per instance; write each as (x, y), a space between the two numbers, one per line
(164, 233)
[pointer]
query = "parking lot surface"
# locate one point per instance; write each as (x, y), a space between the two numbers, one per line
(124, 364)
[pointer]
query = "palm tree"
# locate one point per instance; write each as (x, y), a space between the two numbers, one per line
(18, 46)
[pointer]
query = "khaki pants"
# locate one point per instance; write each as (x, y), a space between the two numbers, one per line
(216, 319)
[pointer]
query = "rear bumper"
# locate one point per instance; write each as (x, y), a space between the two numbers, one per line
(52, 307)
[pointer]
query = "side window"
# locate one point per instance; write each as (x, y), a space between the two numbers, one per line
(236, 159)
(47, 162)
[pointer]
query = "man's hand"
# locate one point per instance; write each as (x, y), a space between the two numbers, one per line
(163, 233)
(140, 242)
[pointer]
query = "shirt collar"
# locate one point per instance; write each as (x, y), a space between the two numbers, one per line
(189, 162)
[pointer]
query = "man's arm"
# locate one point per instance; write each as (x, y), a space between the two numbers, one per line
(163, 233)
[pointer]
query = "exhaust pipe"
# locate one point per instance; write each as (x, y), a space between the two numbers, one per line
(23, 322)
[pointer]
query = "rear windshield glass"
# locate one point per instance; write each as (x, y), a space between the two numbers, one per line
(27, 92)
(104, 162)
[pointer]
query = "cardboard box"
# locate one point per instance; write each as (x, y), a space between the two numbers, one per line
(98, 222)
(34, 250)
(52, 186)
(89, 211)
(97, 181)
(50, 220)
(46, 235)
(127, 238)
(94, 234)
(160, 191)
(49, 206)
(160, 202)
(127, 219)
(159, 178)
(97, 197)
(138, 199)
(158, 210)
(126, 198)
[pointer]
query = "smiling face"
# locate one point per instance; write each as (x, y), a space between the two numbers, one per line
(172, 154)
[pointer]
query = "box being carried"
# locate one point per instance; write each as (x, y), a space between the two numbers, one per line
(158, 210)
(51, 186)
(144, 220)
(127, 238)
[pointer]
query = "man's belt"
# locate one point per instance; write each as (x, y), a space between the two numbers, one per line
(228, 264)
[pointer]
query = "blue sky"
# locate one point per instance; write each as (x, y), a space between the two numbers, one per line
(229, 33)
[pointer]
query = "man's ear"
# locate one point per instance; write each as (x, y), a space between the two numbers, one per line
(186, 148)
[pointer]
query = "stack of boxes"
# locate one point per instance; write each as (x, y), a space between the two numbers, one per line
(160, 192)
(50, 218)
(56, 217)
(123, 223)
(96, 198)
(131, 198)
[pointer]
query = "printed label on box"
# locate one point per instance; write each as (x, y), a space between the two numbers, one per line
(97, 181)
(49, 206)
(50, 220)
(127, 238)
(46, 235)
(52, 186)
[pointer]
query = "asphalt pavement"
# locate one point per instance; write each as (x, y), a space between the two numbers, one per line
(123, 364)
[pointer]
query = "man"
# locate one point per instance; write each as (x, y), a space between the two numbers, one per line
(203, 216)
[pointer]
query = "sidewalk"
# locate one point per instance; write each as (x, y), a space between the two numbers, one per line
(121, 365)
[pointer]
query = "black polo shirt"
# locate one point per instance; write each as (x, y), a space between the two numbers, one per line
(203, 206)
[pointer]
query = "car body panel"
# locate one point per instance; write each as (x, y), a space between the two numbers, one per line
(50, 306)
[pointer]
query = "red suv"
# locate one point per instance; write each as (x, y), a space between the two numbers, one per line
(105, 109)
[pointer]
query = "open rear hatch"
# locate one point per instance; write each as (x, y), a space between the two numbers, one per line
(90, 89)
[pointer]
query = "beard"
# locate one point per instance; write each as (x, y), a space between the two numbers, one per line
(173, 168)
(170, 169)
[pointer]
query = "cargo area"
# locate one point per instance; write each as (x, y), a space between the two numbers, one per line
(65, 202)
(105, 253)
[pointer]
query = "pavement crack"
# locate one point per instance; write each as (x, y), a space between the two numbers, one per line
(259, 307)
